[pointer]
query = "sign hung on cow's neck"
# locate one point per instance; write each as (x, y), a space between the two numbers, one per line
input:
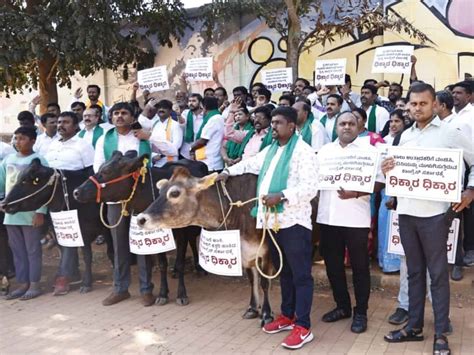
(67, 228)
(219, 252)
(148, 242)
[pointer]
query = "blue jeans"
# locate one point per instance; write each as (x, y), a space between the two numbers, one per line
(120, 240)
(296, 281)
(25, 242)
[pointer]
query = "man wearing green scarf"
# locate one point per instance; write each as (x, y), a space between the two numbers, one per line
(329, 120)
(92, 130)
(207, 147)
(190, 121)
(310, 130)
(287, 178)
(122, 138)
(377, 115)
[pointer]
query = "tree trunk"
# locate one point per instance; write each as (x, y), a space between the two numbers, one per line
(294, 36)
(47, 82)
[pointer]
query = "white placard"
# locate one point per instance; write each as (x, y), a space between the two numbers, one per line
(198, 69)
(153, 79)
(392, 59)
(148, 242)
(395, 243)
(426, 173)
(67, 228)
(278, 79)
(353, 170)
(219, 252)
(330, 71)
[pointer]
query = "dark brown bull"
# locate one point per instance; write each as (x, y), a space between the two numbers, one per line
(185, 200)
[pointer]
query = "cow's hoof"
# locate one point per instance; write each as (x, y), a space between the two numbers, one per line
(85, 289)
(265, 320)
(161, 301)
(182, 301)
(250, 314)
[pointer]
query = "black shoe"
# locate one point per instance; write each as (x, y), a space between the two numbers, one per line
(399, 317)
(457, 273)
(403, 335)
(100, 240)
(441, 345)
(335, 315)
(359, 323)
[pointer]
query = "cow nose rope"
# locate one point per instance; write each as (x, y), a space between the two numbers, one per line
(136, 177)
(266, 230)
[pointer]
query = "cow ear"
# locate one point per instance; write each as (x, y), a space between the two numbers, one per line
(36, 163)
(161, 183)
(117, 154)
(206, 182)
(131, 154)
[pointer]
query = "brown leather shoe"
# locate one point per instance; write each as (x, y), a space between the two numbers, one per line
(148, 299)
(114, 298)
(61, 286)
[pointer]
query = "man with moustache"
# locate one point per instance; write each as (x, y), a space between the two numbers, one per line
(309, 128)
(333, 108)
(424, 225)
(377, 116)
(344, 219)
(93, 95)
(190, 121)
(92, 129)
(286, 183)
(123, 139)
(69, 152)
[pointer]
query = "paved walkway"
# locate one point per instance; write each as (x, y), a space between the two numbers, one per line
(211, 323)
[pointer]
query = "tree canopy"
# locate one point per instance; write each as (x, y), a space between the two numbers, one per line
(45, 42)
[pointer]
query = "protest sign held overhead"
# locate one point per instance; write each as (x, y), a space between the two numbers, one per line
(392, 59)
(353, 170)
(278, 79)
(153, 79)
(426, 173)
(330, 71)
(198, 69)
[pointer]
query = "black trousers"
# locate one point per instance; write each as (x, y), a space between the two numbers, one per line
(333, 242)
(424, 242)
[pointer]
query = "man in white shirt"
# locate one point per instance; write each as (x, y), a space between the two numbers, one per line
(308, 127)
(377, 115)
(462, 97)
(166, 135)
(122, 138)
(190, 121)
(344, 218)
(333, 109)
(78, 108)
(49, 122)
(424, 225)
(92, 130)
(207, 147)
(68, 152)
(286, 182)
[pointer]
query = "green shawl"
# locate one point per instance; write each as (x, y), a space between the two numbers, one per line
(372, 124)
(235, 150)
(189, 132)
(306, 131)
(334, 132)
(111, 144)
(280, 176)
(267, 140)
(98, 131)
(206, 118)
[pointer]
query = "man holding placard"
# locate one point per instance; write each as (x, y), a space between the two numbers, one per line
(424, 223)
(344, 216)
(286, 187)
(122, 138)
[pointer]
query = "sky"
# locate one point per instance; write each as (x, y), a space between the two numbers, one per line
(194, 3)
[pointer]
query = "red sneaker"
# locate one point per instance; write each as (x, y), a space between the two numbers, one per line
(297, 338)
(278, 325)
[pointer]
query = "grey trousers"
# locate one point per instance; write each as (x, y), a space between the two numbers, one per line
(424, 241)
(120, 240)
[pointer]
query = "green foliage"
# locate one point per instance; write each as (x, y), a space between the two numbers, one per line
(81, 35)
